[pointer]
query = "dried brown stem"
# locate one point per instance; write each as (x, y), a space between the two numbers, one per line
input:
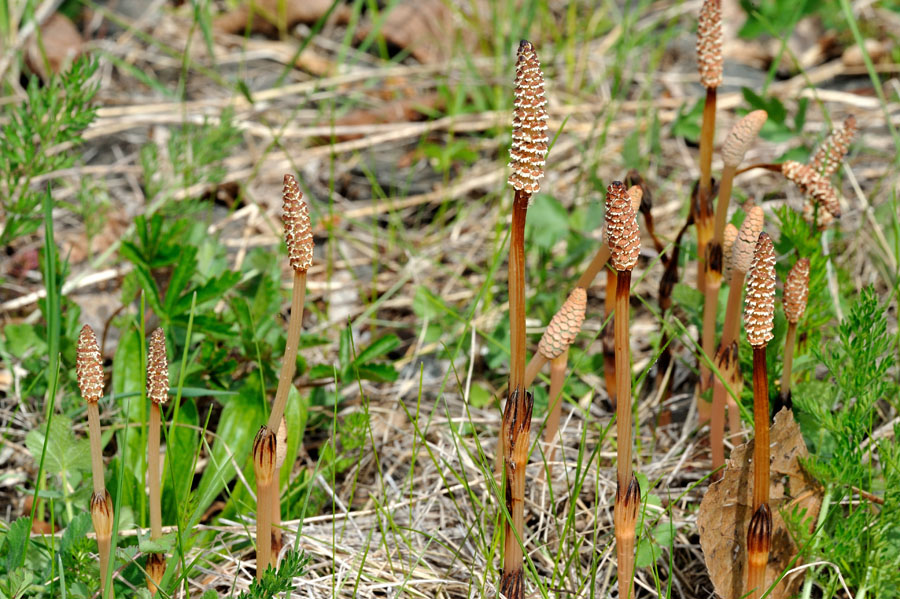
(102, 518)
(623, 378)
(517, 291)
(534, 366)
(761, 428)
(608, 339)
(759, 543)
(625, 515)
(515, 432)
(710, 305)
(703, 220)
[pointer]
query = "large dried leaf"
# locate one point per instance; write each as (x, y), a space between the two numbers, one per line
(727, 507)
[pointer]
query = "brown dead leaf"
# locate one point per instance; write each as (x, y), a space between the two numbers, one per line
(424, 27)
(265, 15)
(726, 509)
(60, 42)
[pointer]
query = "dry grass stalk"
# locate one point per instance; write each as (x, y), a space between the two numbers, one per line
(527, 155)
(736, 145)
(759, 314)
(709, 60)
(89, 373)
(796, 292)
(727, 360)
(158, 392)
(625, 248)
(300, 244)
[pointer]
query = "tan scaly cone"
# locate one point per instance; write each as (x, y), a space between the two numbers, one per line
(796, 292)
(158, 392)
(554, 344)
(742, 135)
(759, 316)
(709, 61)
(527, 155)
(299, 240)
(89, 372)
(625, 247)
(830, 154)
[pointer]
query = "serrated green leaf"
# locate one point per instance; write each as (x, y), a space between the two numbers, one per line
(75, 532)
(23, 340)
(164, 544)
(65, 453)
(15, 542)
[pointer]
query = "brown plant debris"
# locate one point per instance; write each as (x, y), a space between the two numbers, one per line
(759, 306)
(726, 510)
(88, 366)
(813, 185)
(709, 43)
(529, 130)
(742, 135)
(796, 290)
(297, 229)
(157, 368)
(564, 325)
(622, 228)
(830, 154)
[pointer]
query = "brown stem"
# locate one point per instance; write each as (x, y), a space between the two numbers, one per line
(608, 338)
(726, 363)
(535, 364)
(789, 340)
(759, 542)
(557, 378)
(769, 166)
(289, 363)
(733, 308)
(102, 519)
(761, 428)
(710, 305)
(623, 379)
(264, 469)
(104, 548)
(93, 413)
(515, 431)
(704, 189)
(593, 269)
(517, 291)
(725, 187)
(153, 472)
(625, 515)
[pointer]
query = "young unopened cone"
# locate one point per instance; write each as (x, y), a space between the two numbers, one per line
(796, 293)
(527, 155)
(89, 373)
(759, 316)
(625, 248)
(158, 392)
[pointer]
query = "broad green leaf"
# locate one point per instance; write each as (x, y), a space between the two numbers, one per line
(296, 415)
(22, 339)
(15, 541)
(380, 373)
(128, 377)
(241, 417)
(548, 221)
(181, 449)
(65, 453)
